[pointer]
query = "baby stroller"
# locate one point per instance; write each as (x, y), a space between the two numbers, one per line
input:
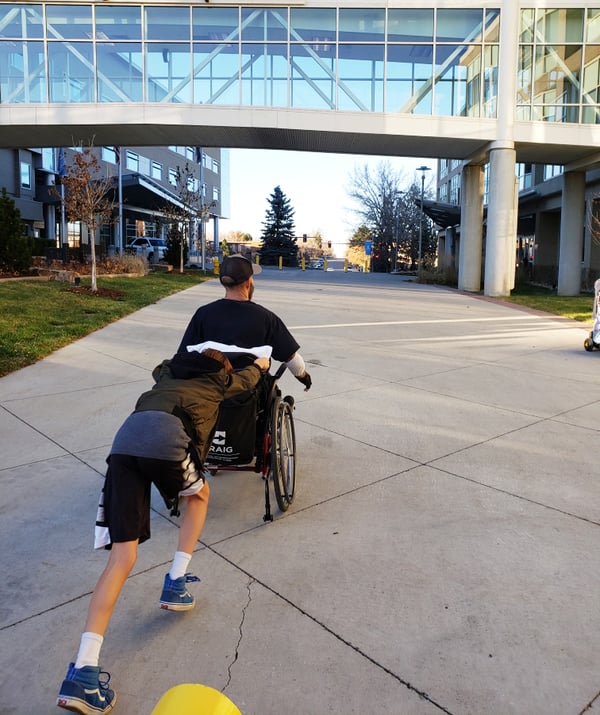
(593, 341)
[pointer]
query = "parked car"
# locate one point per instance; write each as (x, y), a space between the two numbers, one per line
(144, 246)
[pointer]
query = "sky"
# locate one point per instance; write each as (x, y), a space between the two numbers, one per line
(316, 185)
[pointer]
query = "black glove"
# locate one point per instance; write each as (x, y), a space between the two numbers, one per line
(305, 380)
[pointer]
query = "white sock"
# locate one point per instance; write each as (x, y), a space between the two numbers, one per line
(89, 649)
(179, 566)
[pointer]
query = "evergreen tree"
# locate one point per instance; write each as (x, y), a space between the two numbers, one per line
(15, 247)
(278, 233)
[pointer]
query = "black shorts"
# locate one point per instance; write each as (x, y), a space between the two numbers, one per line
(127, 493)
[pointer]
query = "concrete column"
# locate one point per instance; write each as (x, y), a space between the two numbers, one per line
(572, 220)
(471, 229)
(449, 247)
(501, 219)
(441, 250)
(501, 223)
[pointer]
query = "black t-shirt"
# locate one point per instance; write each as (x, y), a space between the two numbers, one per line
(240, 322)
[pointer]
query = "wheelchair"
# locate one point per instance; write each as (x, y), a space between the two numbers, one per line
(255, 432)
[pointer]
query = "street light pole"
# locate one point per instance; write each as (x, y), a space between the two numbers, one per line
(422, 169)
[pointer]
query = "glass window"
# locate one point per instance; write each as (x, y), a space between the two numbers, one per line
(132, 160)
(564, 25)
(312, 82)
(360, 77)
(492, 25)
(168, 73)
(120, 73)
(215, 23)
(215, 166)
(215, 193)
(21, 21)
(409, 73)
(264, 75)
(264, 24)
(71, 72)
(168, 23)
(312, 25)
(23, 72)
(593, 26)
(451, 75)
(25, 175)
(591, 114)
(361, 25)
(173, 177)
(118, 22)
(591, 75)
(525, 74)
(459, 25)
(216, 74)
(410, 25)
(109, 154)
(557, 74)
(69, 22)
(527, 25)
(156, 170)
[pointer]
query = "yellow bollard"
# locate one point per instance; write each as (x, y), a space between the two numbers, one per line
(257, 260)
(325, 264)
(303, 263)
(346, 266)
(280, 262)
(216, 266)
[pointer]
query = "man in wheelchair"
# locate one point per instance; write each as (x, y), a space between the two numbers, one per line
(239, 324)
(240, 327)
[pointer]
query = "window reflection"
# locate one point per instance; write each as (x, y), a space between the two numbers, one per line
(71, 72)
(216, 74)
(21, 21)
(168, 72)
(23, 72)
(69, 22)
(121, 74)
(118, 22)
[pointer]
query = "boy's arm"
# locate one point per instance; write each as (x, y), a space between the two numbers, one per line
(243, 380)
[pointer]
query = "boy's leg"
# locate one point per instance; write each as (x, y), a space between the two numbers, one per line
(83, 690)
(175, 596)
(109, 586)
(193, 520)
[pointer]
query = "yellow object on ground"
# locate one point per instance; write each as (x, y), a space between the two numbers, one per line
(194, 699)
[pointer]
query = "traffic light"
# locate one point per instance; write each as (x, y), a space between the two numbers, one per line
(328, 244)
(304, 238)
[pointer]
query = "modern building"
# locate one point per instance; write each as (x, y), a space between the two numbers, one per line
(488, 83)
(145, 186)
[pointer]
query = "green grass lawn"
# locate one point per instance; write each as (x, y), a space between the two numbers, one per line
(38, 317)
(576, 307)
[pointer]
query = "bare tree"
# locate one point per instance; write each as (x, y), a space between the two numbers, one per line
(390, 215)
(375, 194)
(87, 197)
(183, 217)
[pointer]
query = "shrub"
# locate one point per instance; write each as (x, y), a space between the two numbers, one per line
(15, 247)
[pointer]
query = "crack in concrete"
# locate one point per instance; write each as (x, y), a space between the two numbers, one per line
(241, 634)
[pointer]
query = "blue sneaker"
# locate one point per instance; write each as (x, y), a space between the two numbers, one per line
(175, 596)
(83, 692)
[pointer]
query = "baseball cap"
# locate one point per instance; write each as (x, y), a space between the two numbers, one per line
(236, 269)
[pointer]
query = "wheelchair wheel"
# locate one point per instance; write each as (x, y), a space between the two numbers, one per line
(283, 454)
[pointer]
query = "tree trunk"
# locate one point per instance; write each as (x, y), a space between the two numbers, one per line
(93, 252)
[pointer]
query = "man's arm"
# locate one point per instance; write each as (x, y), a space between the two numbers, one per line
(298, 369)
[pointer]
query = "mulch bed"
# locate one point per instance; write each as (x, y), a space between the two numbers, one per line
(100, 293)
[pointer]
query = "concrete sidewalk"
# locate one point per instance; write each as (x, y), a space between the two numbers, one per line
(442, 554)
